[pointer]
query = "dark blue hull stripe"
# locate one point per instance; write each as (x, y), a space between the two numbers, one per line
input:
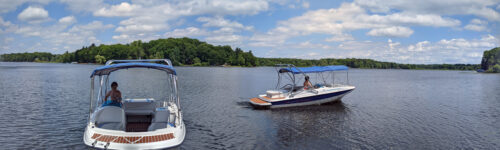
(308, 99)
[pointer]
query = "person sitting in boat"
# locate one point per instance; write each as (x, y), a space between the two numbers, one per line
(115, 96)
(307, 84)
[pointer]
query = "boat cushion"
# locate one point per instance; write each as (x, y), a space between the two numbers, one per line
(161, 115)
(139, 106)
(156, 126)
(111, 126)
(160, 119)
(110, 117)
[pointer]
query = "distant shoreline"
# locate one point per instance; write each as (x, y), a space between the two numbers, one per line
(250, 66)
(192, 52)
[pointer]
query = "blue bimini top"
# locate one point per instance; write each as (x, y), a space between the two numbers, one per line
(106, 70)
(313, 69)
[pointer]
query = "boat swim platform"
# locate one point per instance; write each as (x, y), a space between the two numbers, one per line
(132, 139)
(259, 102)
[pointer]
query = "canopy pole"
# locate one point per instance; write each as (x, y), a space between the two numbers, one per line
(106, 85)
(347, 77)
(178, 100)
(333, 78)
(91, 96)
(172, 88)
(100, 90)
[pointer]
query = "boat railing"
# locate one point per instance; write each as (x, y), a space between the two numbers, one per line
(166, 61)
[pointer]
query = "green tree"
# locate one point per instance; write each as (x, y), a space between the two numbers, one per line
(100, 59)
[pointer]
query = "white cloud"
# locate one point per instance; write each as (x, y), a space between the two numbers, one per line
(443, 51)
(10, 5)
(424, 52)
(135, 28)
(477, 25)
(420, 46)
(150, 17)
(391, 32)
(222, 36)
(28, 31)
(348, 17)
(305, 5)
(219, 21)
(121, 37)
(33, 15)
(92, 26)
(412, 19)
(486, 41)
(224, 39)
(340, 37)
(84, 5)
(309, 45)
(187, 32)
(4, 23)
(58, 37)
(123, 9)
(224, 7)
(392, 45)
(67, 20)
(479, 8)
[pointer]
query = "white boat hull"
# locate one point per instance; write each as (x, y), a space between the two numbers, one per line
(323, 95)
(149, 142)
(316, 102)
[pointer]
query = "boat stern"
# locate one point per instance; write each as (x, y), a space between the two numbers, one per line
(158, 140)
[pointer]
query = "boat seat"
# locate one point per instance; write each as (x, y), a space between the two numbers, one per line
(160, 119)
(144, 106)
(110, 117)
(111, 126)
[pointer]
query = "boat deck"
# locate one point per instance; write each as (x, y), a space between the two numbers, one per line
(138, 123)
(132, 139)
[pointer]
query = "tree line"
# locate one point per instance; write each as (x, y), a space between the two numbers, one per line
(364, 63)
(491, 60)
(181, 51)
(192, 52)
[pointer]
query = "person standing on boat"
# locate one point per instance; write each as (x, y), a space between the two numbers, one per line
(115, 96)
(307, 83)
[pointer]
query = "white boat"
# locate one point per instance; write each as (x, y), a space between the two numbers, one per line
(290, 94)
(136, 123)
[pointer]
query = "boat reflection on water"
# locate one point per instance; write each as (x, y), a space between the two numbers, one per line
(304, 127)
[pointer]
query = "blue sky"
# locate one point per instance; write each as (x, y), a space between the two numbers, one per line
(403, 31)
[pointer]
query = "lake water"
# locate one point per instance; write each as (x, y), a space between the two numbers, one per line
(46, 105)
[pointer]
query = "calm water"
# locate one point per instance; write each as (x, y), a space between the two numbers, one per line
(46, 106)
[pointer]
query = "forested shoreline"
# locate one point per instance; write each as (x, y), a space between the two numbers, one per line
(192, 52)
(491, 60)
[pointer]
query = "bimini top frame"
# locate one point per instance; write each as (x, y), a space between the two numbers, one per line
(125, 64)
(291, 71)
(103, 73)
(313, 69)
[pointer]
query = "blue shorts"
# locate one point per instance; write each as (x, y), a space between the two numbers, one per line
(111, 103)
